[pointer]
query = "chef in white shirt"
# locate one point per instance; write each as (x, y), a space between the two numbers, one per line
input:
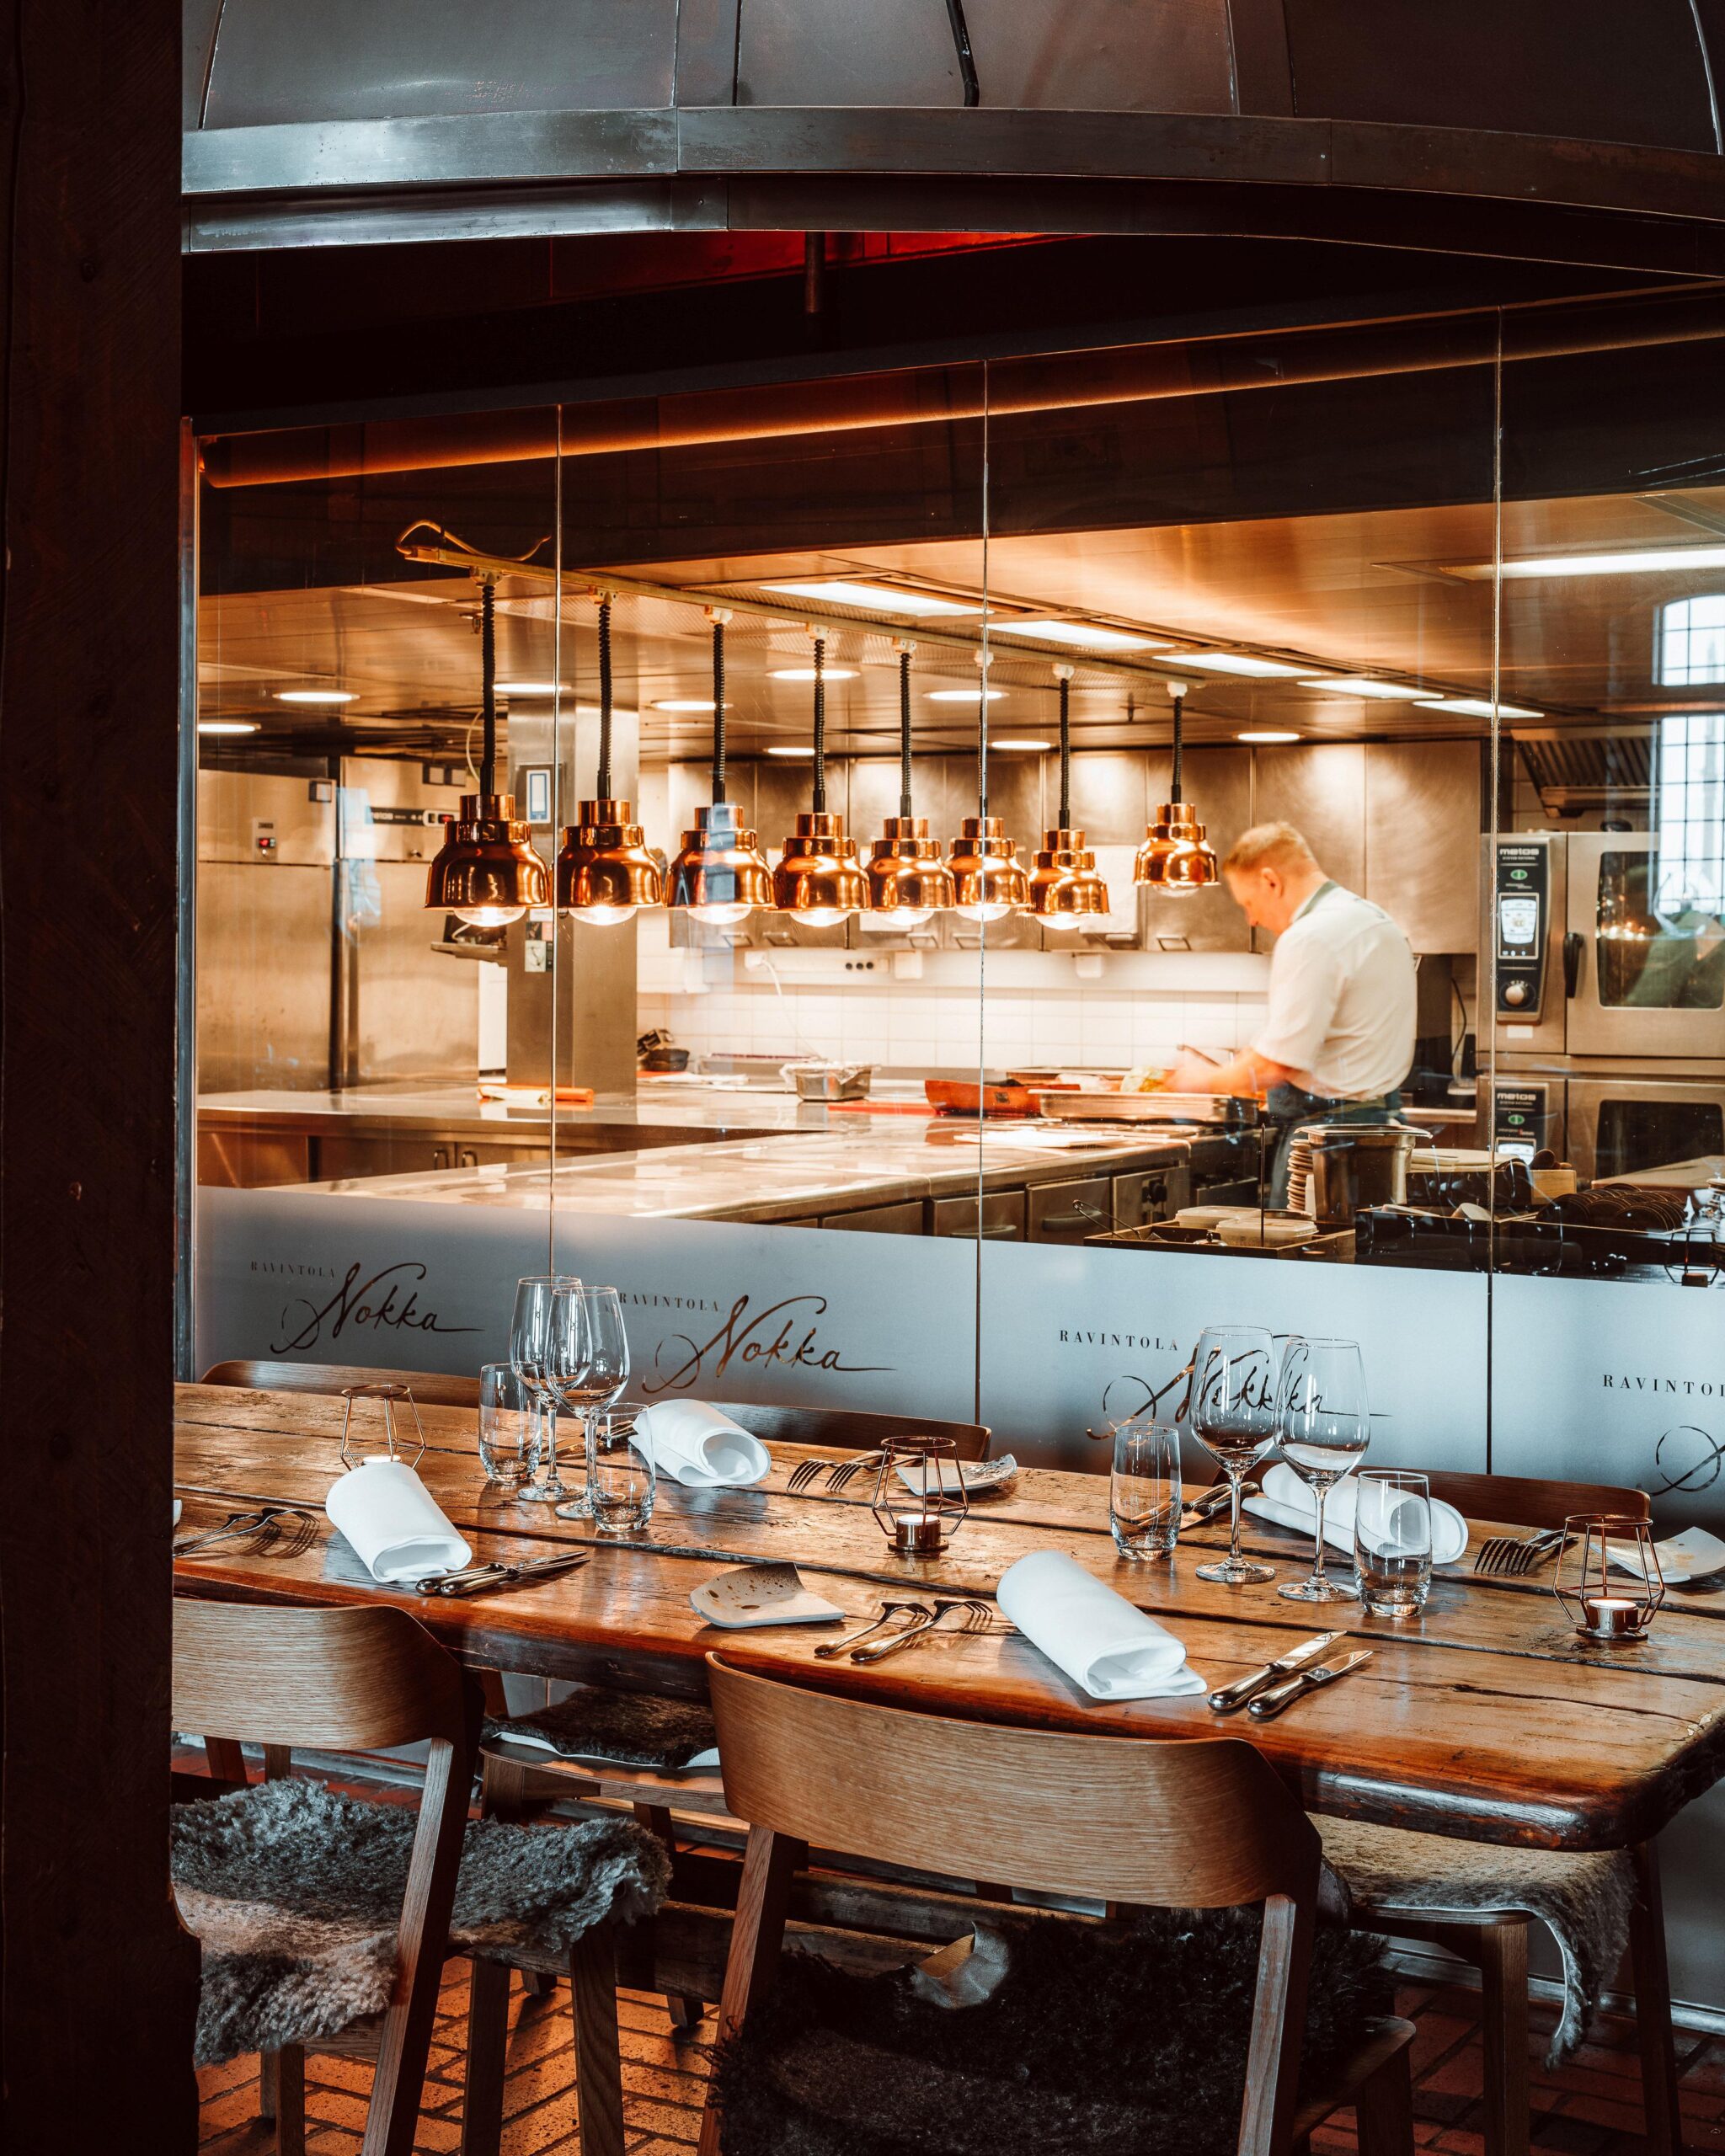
(1338, 1038)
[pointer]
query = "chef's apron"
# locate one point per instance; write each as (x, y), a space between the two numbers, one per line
(1288, 1109)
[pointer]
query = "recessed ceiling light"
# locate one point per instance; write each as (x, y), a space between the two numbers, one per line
(685, 703)
(882, 598)
(1084, 636)
(1640, 561)
(807, 672)
(227, 726)
(530, 688)
(785, 750)
(1017, 741)
(1477, 707)
(1232, 662)
(1362, 685)
(1268, 734)
(316, 695)
(963, 695)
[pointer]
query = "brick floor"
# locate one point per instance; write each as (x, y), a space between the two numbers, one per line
(1591, 2108)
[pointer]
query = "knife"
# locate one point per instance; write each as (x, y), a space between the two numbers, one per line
(1211, 1501)
(479, 1578)
(1303, 1681)
(1232, 1697)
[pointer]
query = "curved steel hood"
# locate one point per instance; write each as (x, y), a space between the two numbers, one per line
(310, 120)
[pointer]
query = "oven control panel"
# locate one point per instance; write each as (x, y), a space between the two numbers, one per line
(1521, 913)
(1520, 1121)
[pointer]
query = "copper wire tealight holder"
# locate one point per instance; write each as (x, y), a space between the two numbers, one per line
(920, 1515)
(1608, 1605)
(389, 1393)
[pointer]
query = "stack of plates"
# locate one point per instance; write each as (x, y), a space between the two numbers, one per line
(1299, 1175)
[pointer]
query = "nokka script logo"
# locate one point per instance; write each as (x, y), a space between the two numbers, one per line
(387, 1301)
(786, 1333)
(1685, 1457)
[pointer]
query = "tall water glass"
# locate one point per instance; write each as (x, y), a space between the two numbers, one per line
(533, 1354)
(1325, 1426)
(1392, 1541)
(508, 1426)
(1232, 1410)
(1143, 1492)
(599, 1369)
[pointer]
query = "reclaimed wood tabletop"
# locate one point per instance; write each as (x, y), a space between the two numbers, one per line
(1484, 1717)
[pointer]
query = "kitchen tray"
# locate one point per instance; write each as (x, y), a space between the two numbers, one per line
(1147, 1107)
(1335, 1245)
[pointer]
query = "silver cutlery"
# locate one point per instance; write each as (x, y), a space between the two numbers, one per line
(1209, 1502)
(859, 1463)
(974, 1616)
(804, 1476)
(237, 1526)
(1510, 1556)
(1232, 1697)
(1283, 1695)
(889, 1611)
(478, 1579)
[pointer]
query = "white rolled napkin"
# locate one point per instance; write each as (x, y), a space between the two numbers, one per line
(696, 1445)
(393, 1521)
(1290, 1502)
(1108, 1648)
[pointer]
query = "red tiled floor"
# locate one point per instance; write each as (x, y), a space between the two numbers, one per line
(1590, 2108)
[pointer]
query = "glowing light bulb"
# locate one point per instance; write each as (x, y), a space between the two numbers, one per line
(602, 916)
(723, 914)
(821, 916)
(902, 917)
(488, 916)
(984, 910)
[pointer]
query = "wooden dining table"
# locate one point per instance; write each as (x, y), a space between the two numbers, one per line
(1485, 1717)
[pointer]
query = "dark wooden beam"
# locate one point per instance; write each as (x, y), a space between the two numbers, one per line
(97, 1981)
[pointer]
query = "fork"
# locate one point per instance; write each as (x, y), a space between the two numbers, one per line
(859, 1463)
(1510, 1556)
(888, 1610)
(806, 1474)
(974, 1616)
(235, 1525)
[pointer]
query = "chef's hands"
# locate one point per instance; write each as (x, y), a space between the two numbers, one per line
(1192, 1077)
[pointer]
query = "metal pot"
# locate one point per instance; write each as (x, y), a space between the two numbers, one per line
(1354, 1165)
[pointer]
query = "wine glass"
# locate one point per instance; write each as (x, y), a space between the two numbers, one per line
(1232, 1409)
(531, 1355)
(1325, 1426)
(596, 1367)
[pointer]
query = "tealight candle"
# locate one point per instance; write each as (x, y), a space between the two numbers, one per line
(917, 1534)
(1613, 1616)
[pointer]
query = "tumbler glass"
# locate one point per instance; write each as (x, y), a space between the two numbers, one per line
(1392, 1541)
(1144, 1495)
(508, 1426)
(621, 1479)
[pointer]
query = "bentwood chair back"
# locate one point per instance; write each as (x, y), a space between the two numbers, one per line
(349, 1680)
(1202, 1824)
(1531, 1500)
(430, 1388)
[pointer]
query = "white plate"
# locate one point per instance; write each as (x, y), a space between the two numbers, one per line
(983, 1478)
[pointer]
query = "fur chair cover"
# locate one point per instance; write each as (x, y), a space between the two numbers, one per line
(1130, 2041)
(295, 1891)
(633, 1728)
(1584, 1899)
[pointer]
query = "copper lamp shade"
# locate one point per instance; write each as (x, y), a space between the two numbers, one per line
(1065, 887)
(819, 878)
(1175, 858)
(607, 869)
(988, 878)
(907, 879)
(487, 872)
(720, 874)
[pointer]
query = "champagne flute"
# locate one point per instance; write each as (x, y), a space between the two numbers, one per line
(530, 1354)
(1325, 1426)
(597, 1368)
(1232, 1409)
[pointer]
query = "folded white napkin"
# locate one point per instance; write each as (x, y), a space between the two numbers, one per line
(1290, 1502)
(393, 1520)
(1109, 1648)
(696, 1445)
(1685, 1557)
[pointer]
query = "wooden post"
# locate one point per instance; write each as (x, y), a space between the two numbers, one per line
(99, 1983)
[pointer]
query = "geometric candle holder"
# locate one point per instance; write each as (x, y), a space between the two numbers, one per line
(1609, 1579)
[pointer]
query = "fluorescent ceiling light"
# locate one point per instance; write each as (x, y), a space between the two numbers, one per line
(1084, 636)
(807, 674)
(1477, 708)
(1640, 561)
(1232, 662)
(227, 726)
(685, 703)
(808, 755)
(1362, 685)
(1269, 735)
(530, 688)
(963, 695)
(881, 598)
(1017, 741)
(316, 695)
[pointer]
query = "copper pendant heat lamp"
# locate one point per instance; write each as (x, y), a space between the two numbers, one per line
(607, 869)
(487, 873)
(1065, 887)
(908, 881)
(819, 879)
(720, 874)
(988, 878)
(1175, 858)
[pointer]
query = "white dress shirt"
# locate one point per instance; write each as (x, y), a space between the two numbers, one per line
(1340, 1012)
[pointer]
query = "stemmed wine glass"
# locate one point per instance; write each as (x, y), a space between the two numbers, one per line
(1232, 1410)
(1325, 1426)
(597, 1366)
(533, 1356)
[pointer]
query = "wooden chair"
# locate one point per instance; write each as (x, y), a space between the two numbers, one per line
(1496, 1942)
(1196, 1824)
(356, 1680)
(430, 1388)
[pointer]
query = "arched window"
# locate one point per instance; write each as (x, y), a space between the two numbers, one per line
(1690, 644)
